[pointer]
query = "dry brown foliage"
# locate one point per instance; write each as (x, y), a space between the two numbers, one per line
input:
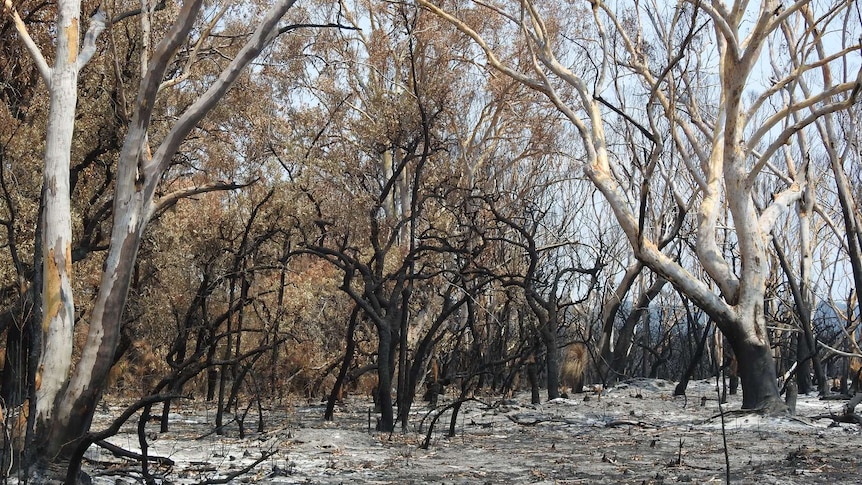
(575, 362)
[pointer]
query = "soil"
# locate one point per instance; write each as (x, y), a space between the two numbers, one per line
(634, 433)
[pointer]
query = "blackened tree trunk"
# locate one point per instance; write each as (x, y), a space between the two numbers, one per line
(622, 350)
(803, 356)
(384, 380)
(548, 334)
(610, 309)
(756, 370)
(405, 391)
(13, 381)
(533, 378)
(426, 348)
(681, 386)
(541, 293)
(806, 345)
(338, 388)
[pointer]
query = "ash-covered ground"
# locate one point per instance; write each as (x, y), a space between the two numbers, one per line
(634, 433)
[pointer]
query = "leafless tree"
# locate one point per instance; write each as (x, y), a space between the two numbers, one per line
(695, 68)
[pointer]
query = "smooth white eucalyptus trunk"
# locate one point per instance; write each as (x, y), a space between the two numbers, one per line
(58, 305)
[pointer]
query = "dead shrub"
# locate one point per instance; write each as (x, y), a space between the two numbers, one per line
(575, 362)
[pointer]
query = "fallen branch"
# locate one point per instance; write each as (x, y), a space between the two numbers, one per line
(124, 453)
(529, 419)
(849, 415)
(232, 475)
(625, 422)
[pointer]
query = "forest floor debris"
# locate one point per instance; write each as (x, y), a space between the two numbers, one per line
(636, 432)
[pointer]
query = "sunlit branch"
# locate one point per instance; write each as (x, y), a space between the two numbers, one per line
(720, 20)
(603, 70)
(796, 75)
(262, 37)
(769, 124)
(193, 56)
(489, 54)
(753, 44)
(839, 352)
(779, 205)
(654, 83)
(29, 44)
(170, 200)
(97, 25)
(788, 132)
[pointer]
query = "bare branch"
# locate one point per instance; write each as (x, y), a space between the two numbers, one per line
(263, 35)
(330, 25)
(170, 200)
(815, 115)
(193, 56)
(32, 48)
(719, 17)
(134, 12)
(780, 203)
(796, 75)
(489, 54)
(97, 25)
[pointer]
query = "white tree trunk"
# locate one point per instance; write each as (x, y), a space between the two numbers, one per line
(58, 305)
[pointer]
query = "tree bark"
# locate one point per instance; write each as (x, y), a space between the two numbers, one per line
(681, 386)
(57, 296)
(384, 380)
(548, 333)
(424, 349)
(610, 308)
(756, 369)
(533, 378)
(338, 387)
